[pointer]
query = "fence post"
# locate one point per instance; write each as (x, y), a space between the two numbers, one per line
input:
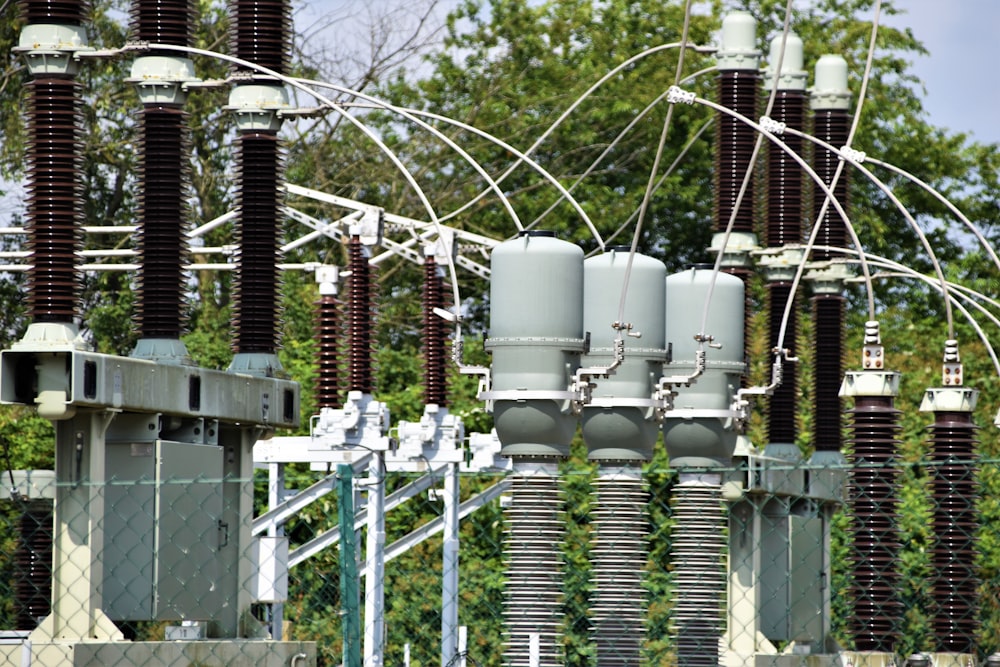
(351, 617)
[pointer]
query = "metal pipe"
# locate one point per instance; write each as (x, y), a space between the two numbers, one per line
(374, 635)
(449, 568)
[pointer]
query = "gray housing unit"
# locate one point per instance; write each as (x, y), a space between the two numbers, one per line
(699, 431)
(164, 531)
(536, 338)
(619, 422)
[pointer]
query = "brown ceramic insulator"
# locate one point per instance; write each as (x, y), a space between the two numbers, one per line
(162, 21)
(734, 148)
(62, 12)
(781, 412)
(261, 32)
(435, 338)
(163, 210)
(833, 127)
(785, 204)
(54, 199)
(955, 523)
(873, 483)
(260, 168)
(359, 319)
(828, 371)
(328, 336)
(33, 565)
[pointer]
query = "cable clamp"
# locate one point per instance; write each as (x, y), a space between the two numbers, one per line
(852, 155)
(772, 126)
(677, 95)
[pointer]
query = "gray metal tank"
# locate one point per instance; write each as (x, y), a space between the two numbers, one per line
(699, 431)
(618, 423)
(536, 338)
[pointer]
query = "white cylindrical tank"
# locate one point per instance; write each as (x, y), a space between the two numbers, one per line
(536, 338)
(699, 431)
(618, 423)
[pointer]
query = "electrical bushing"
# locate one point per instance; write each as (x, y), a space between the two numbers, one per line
(619, 421)
(535, 338)
(700, 430)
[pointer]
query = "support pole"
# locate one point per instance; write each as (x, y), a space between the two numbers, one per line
(275, 496)
(78, 567)
(449, 569)
(350, 621)
(375, 562)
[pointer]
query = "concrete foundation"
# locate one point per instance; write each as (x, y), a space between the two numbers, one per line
(206, 653)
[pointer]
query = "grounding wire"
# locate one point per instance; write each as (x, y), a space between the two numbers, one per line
(670, 170)
(747, 177)
(621, 135)
(950, 291)
(899, 205)
(855, 121)
(800, 269)
(429, 128)
(572, 107)
(953, 290)
(809, 172)
(944, 200)
(647, 196)
(453, 274)
(522, 157)
(954, 296)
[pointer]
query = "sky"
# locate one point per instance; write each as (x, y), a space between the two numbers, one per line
(961, 75)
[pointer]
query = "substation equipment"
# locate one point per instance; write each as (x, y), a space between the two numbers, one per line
(609, 344)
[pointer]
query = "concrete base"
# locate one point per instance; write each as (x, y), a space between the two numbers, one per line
(207, 653)
(870, 659)
(865, 659)
(797, 660)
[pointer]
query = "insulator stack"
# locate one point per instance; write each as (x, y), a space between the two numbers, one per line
(163, 210)
(833, 127)
(785, 205)
(262, 30)
(328, 332)
(619, 559)
(873, 493)
(698, 557)
(54, 196)
(162, 21)
(955, 522)
(435, 337)
(734, 148)
(65, 12)
(359, 319)
(781, 413)
(533, 595)
(828, 371)
(261, 164)
(33, 565)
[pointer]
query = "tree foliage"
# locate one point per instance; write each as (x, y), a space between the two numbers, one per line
(510, 68)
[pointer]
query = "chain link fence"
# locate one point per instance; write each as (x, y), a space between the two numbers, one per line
(903, 564)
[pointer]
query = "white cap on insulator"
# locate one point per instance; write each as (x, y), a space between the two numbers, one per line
(738, 49)
(792, 76)
(830, 87)
(327, 277)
